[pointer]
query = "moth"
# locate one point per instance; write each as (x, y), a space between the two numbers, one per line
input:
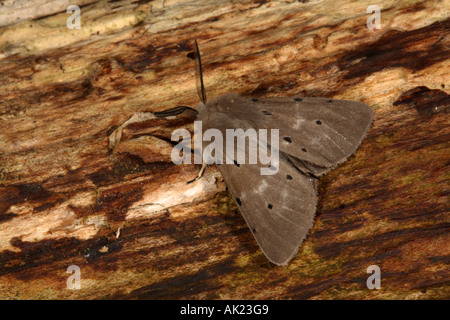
(316, 134)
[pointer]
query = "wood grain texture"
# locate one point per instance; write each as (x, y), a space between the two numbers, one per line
(127, 217)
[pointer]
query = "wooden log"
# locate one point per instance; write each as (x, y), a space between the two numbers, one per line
(128, 219)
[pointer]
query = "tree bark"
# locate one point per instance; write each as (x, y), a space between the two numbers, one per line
(126, 216)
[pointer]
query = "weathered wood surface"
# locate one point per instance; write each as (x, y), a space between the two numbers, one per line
(129, 220)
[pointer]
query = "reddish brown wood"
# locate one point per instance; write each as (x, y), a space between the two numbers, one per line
(127, 217)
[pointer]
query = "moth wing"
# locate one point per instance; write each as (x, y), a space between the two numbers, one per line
(279, 209)
(316, 133)
(323, 132)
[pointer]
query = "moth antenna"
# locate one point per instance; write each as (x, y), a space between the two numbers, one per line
(200, 174)
(199, 74)
(175, 112)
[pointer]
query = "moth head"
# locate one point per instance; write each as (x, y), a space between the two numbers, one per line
(201, 108)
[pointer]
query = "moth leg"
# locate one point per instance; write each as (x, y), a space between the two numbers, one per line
(200, 174)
